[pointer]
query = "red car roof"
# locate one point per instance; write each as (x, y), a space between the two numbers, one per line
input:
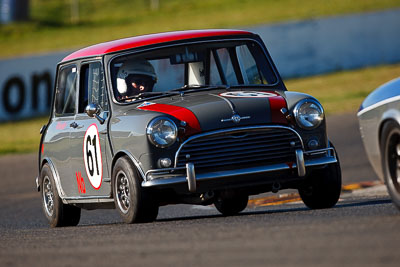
(137, 41)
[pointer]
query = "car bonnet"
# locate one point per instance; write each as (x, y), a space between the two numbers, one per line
(212, 110)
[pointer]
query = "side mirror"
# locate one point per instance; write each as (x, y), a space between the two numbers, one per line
(93, 111)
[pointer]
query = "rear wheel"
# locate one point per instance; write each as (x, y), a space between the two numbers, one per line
(322, 188)
(133, 203)
(57, 213)
(231, 205)
(390, 148)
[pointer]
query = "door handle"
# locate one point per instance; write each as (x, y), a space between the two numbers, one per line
(73, 125)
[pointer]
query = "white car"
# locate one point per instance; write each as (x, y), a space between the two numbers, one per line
(379, 119)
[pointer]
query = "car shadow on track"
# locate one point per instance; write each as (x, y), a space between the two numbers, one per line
(364, 203)
(289, 209)
(280, 209)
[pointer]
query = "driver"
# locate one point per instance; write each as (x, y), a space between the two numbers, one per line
(135, 77)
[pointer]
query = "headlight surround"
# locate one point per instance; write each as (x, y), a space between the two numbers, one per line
(308, 113)
(162, 132)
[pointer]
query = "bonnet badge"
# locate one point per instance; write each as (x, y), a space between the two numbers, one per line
(235, 118)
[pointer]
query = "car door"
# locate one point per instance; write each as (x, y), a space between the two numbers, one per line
(89, 140)
(59, 130)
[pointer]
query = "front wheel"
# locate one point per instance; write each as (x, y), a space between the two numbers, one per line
(231, 205)
(133, 203)
(390, 147)
(57, 213)
(322, 188)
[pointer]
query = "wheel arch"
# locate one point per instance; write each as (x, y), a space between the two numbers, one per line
(133, 160)
(390, 176)
(388, 116)
(56, 176)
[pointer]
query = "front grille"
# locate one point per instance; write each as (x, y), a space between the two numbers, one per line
(239, 148)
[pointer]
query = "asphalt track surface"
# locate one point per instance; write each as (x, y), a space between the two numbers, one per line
(363, 229)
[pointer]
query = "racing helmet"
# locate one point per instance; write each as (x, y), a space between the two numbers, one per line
(139, 67)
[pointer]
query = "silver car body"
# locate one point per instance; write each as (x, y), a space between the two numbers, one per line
(381, 106)
(120, 129)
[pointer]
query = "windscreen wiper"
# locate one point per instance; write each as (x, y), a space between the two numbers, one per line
(251, 86)
(150, 94)
(195, 88)
(186, 88)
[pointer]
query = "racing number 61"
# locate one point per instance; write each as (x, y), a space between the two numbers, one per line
(92, 156)
(92, 142)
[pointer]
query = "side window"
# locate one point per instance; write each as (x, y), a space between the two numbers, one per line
(221, 65)
(215, 78)
(250, 71)
(227, 66)
(66, 92)
(92, 89)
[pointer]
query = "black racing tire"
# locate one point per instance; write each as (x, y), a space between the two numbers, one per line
(134, 203)
(231, 205)
(322, 187)
(390, 151)
(57, 213)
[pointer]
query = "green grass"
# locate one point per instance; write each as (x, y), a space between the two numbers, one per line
(340, 92)
(51, 28)
(21, 137)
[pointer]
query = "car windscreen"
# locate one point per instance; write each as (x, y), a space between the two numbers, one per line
(228, 63)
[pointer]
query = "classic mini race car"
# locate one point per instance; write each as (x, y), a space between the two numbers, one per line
(198, 117)
(379, 119)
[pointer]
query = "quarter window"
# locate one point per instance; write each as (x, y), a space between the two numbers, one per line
(66, 92)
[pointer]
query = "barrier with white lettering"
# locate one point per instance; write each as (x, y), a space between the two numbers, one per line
(26, 86)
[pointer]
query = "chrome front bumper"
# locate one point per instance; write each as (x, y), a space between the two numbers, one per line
(168, 176)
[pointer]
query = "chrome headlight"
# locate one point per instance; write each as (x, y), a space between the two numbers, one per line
(308, 113)
(162, 132)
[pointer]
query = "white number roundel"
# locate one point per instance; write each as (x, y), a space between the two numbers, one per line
(92, 156)
(249, 94)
